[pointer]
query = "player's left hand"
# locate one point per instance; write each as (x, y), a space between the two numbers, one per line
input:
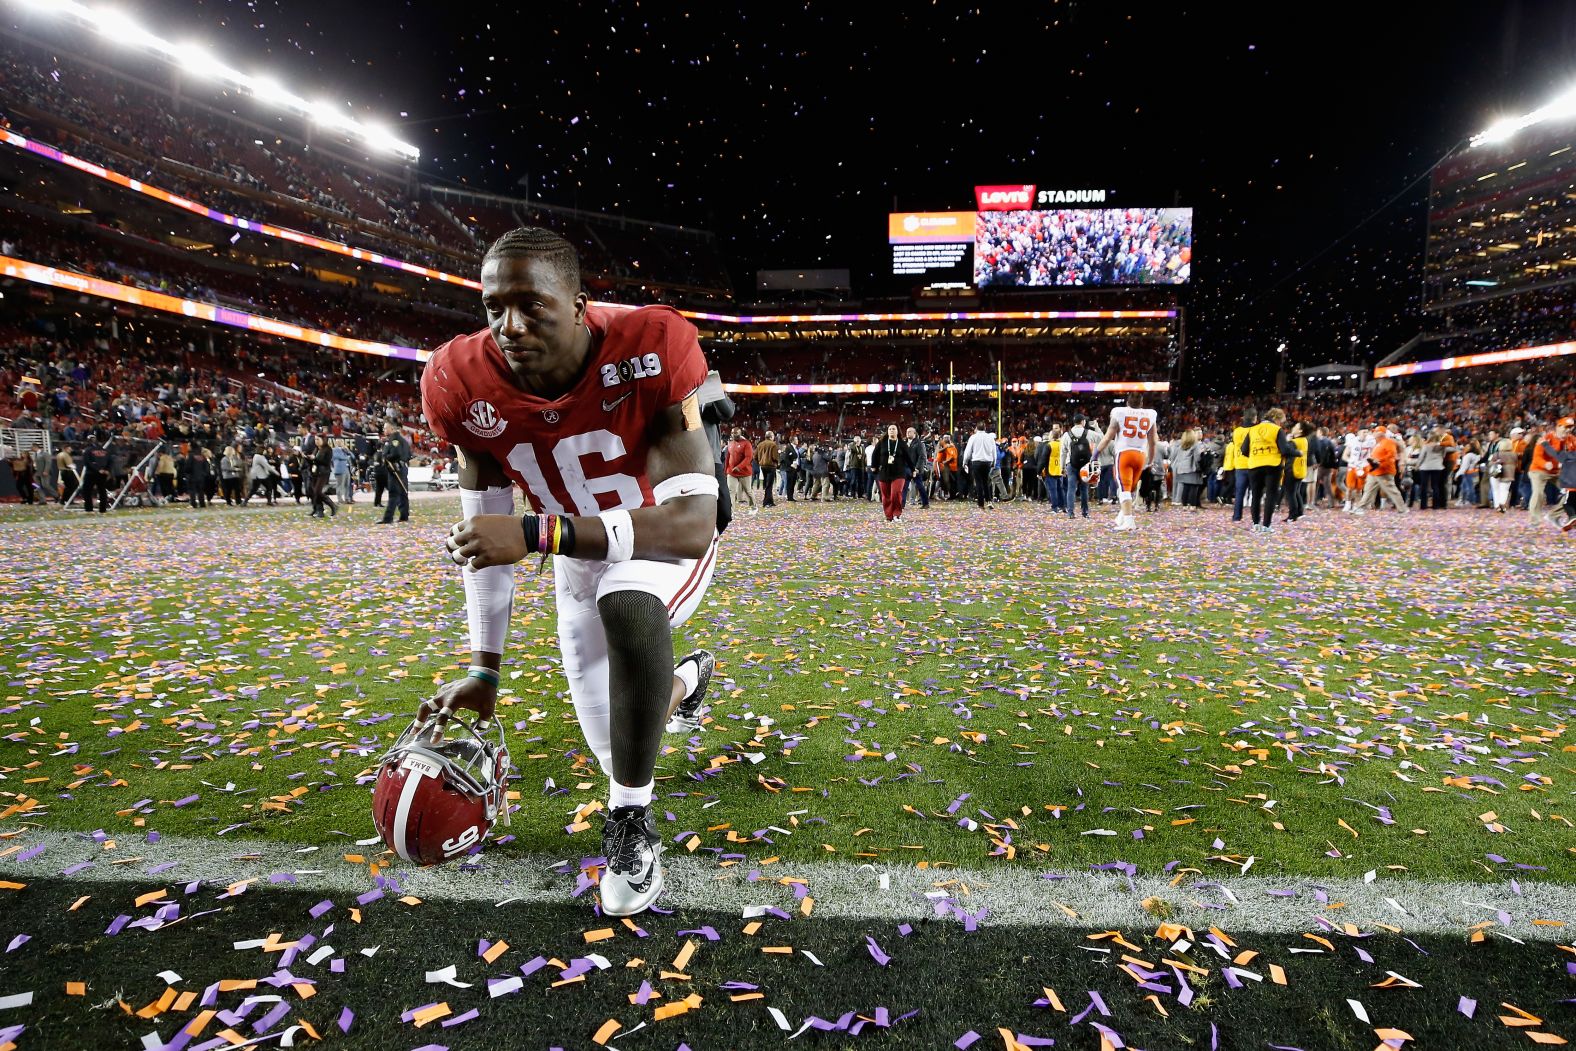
(487, 540)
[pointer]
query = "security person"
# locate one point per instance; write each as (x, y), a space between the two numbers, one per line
(394, 455)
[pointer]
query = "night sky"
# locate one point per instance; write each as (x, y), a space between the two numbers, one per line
(791, 129)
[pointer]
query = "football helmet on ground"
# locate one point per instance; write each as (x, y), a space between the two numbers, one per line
(438, 791)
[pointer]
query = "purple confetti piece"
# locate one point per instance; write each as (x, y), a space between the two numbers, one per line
(1467, 1006)
(320, 908)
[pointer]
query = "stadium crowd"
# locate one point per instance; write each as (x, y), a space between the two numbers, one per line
(200, 427)
(1459, 442)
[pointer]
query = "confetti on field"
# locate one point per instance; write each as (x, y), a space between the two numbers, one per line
(1029, 724)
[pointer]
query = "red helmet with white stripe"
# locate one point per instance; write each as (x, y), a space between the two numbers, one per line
(436, 797)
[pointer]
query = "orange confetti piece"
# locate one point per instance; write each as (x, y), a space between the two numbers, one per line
(6, 884)
(781, 950)
(200, 1023)
(1545, 1038)
(76, 988)
(1056, 1001)
(602, 935)
(605, 1033)
(430, 1014)
(495, 950)
(741, 997)
(1277, 974)
(152, 895)
(681, 961)
(79, 903)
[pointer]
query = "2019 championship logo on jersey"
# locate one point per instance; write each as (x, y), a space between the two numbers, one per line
(482, 420)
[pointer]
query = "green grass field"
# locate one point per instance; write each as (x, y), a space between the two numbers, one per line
(1350, 703)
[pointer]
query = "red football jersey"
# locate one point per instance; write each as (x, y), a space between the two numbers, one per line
(583, 453)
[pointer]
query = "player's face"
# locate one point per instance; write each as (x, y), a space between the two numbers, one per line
(533, 313)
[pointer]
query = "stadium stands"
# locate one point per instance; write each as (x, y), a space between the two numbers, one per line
(232, 161)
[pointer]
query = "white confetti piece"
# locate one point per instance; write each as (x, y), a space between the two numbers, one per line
(320, 954)
(505, 987)
(15, 1000)
(446, 976)
(811, 957)
(170, 977)
(1359, 1010)
(780, 1018)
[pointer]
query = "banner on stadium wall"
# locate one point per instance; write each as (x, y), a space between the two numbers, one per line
(1492, 357)
(1042, 387)
(66, 281)
(11, 138)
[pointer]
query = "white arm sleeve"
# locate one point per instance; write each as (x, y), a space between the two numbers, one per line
(489, 593)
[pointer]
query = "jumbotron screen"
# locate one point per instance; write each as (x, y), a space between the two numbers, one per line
(1083, 247)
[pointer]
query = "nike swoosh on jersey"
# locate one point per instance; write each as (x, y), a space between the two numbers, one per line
(609, 406)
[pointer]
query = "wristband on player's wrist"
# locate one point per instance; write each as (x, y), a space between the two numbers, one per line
(548, 534)
(485, 674)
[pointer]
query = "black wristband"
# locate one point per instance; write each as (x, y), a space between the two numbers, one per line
(566, 536)
(531, 526)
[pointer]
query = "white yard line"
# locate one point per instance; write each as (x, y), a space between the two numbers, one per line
(1010, 896)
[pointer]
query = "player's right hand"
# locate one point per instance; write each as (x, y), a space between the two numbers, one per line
(470, 694)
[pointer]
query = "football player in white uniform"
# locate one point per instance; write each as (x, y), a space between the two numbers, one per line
(1132, 433)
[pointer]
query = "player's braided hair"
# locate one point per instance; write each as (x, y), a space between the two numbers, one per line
(540, 242)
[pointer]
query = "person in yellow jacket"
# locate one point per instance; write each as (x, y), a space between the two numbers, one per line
(1235, 465)
(1292, 481)
(1266, 450)
(1054, 488)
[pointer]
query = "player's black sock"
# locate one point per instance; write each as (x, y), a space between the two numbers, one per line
(640, 680)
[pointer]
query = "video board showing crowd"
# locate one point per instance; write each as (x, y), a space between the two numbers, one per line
(1066, 247)
(1083, 247)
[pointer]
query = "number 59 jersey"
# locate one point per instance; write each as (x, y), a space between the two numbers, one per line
(585, 452)
(1133, 428)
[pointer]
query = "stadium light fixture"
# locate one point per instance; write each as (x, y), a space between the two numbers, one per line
(1561, 107)
(194, 58)
(119, 26)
